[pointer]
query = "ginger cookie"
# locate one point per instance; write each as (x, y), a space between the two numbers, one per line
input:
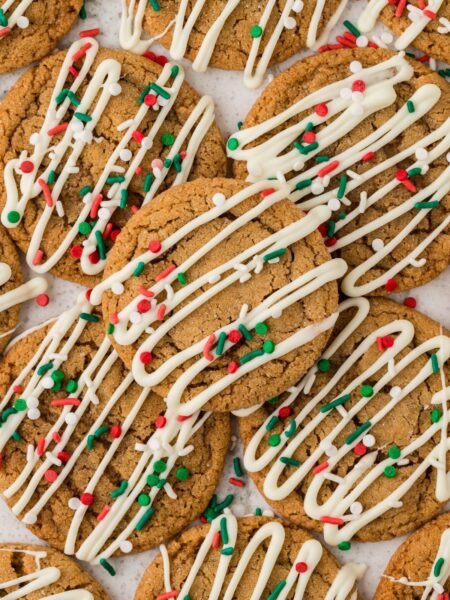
(35, 572)
(240, 35)
(366, 133)
(88, 137)
(92, 463)
(358, 448)
(220, 293)
(420, 567)
(31, 29)
(424, 25)
(248, 558)
(12, 289)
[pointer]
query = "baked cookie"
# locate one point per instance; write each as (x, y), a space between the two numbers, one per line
(31, 29)
(358, 448)
(367, 133)
(420, 567)
(92, 463)
(424, 25)
(12, 289)
(88, 137)
(248, 558)
(35, 572)
(220, 293)
(241, 35)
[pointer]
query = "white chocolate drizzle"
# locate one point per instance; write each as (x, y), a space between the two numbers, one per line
(16, 17)
(258, 61)
(22, 293)
(367, 470)
(22, 187)
(308, 186)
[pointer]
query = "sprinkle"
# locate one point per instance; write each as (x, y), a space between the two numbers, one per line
(172, 594)
(328, 168)
(160, 91)
(100, 245)
(290, 461)
(292, 428)
(232, 367)
(107, 566)
(227, 551)
(344, 546)
(391, 285)
(66, 402)
(146, 358)
(438, 567)
(50, 475)
(216, 540)
(324, 365)
(85, 190)
(139, 268)
(105, 510)
(42, 300)
(86, 499)
(83, 117)
(250, 356)
(410, 106)
(224, 530)
(89, 317)
(182, 474)
(145, 519)
(165, 273)
(236, 482)
(366, 391)
(435, 363)
(57, 129)
(431, 204)
(359, 431)
(332, 520)
(274, 440)
(120, 490)
(394, 452)
(90, 32)
(390, 472)
(160, 313)
(334, 403)
(221, 343)
(301, 567)
(435, 416)
(410, 302)
(208, 346)
(319, 468)
(81, 52)
(237, 467)
(277, 591)
(245, 333)
(261, 328)
(274, 254)
(47, 193)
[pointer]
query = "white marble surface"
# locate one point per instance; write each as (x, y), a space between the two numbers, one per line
(233, 101)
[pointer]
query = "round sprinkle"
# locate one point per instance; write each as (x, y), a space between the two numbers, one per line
(344, 546)
(84, 228)
(387, 38)
(390, 472)
(23, 22)
(261, 328)
(159, 466)
(301, 567)
(30, 518)
(421, 154)
(126, 155)
(362, 41)
(126, 546)
(143, 500)
(146, 358)
(167, 139)
(369, 440)
(33, 414)
(324, 365)
(268, 347)
(182, 474)
(366, 391)
(160, 422)
(13, 216)
(256, 31)
(218, 199)
(50, 475)
(87, 499)
(274, 440)
(360, 449)
(74, 503)
(334, 204)
(395, 391)
(321, 110)
(152, 480)
(154, 246)
(377, 245)
(290, 23)
(117, 288)
(115, 432)
(42, 300)
(233, 144)
(356, 508)
(410, 302)
(150, 100)
(394, 452)
(355, 66)
(115, 89)
(27, 166)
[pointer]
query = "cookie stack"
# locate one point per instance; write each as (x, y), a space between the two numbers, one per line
(257, 287)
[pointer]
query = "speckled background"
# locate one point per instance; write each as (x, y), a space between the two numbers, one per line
(232, 102)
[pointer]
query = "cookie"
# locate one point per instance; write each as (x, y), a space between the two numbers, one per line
(357, 449)
(34, 572)
(245, 36)
(248, 558)
(220, 293)
(92, 463)
(425, 27)
(365, 132)
(86, 138)
(31, 29)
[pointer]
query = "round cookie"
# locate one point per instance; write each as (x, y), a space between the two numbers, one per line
(86, 138)
(228, 558)
(31, 29)
(365, 132)
(92, 463)
(426, 28)
(423, 558)
(247, 36)
(30, 571)
(355, 449)
(220, 293)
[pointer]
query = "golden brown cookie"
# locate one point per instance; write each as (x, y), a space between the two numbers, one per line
(239, 35)
(35, 572)
(365, 132)
(220, 293)
(80, 154)
(425, 27)
(92, 463)
(231, 555)
(31, 29)
(423, 558)
(356, 448)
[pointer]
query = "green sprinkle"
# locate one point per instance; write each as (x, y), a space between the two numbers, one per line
(237, 467)
(177, 163)
(366, 391)
(71, 386)
(51, 177)
(349, 25)
(256, 31)
(167, 139)
(16, 436)
(44, 368)
(120, 490)
(435, 416)
(110, 328)
(438, 566)
(233, 144)
(144, 93)
(435, 363)
(431, 204)
(414, 172)
(3, 18)
(154, 4)
(361, 429)
(143, 500)
(115, 179)
(292, 462)
(221, 343)
(410, 106)
(13, 216)
(152, 480)
(273, 400)
(322, 158)
(82, 117)
(342, 187)
(148, 182)
(227, 551)
(159, 466)
(268, 347)
(182, 278)
(139, 268)
(107, 566)
(101, 431)
(261, 328)
(331, 228)
(324, 365)
(167, 163)
(89, 317)
(58, 375)
(258, 512)
(292, 428)
(250, 356)
(20, 404)
(145, 519)
(160, 91)
(100, 245)
(277, 591)
(224, 530)
(245, 332)
(7, 413)
(390, 472)
(83, 13)
(342, 216)
(272, 423)
(344, 546)
(86, 190)
(123, 198)
(394, 452)
(90, 442)
(174, 71)
(338, 402)
(309, 126)
(274, 440)
(274, 254)
(182, 474)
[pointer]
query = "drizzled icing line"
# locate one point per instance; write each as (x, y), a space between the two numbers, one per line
(78, 133)
(349, 488)
(9, 19)
(252, 260)
(419, 20)
(271, 535)
(258, 61)
(39, 580)
(283, 154)
(22, 293)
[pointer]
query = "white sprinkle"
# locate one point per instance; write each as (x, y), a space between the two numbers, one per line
(126, 546)
(363, 202)
(34, 414)
(298, 165)
(290, 23)
(117, 288)
(356, 508)
(334, 204)
(421, 154)
(154, 444)
(355, 66)
(362, 41)
(387, 37)
(317, 188)
(298, 6)
(104, 214)
(147, 143)
(23, 22)
(377, 245)
(115, 89)
(33, 402)
(268, 513)
(34, 139)
(71, 418)
(74, 503)
(368, 440)
(213, 277)
(125, 125)
(125, 155)
(219, 199)
(47, 383)
(395, 391)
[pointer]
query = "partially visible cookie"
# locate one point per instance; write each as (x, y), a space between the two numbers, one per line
(240, 35)
(420, 567)
(424, 25)
(220, 293)
(249, 557)
(35, 572)
(366, 133)
(91, 462)
(86, 138)
(357, 450)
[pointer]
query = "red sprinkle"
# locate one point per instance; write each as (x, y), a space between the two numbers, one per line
(47, 193)
(388, 341)
(76, 251)
(183, 418)
(145, 292)
(144, 306)
(232, 367)
(328, 168)
(207, 347)
(358, 86)
(138, 136)
(161, 312)
(95, 206)
(18, 389)
(114, 318)
(63, 456)
(267, 192)
(42, 300)
(40, 446)
(154, 246)
(105, 510)
(285, 411)
(150, 100)
(81, 52)
(146, 358)
(90, 32)
(115, 431)
(86, 499)
(160, 422)
(66, 402)
(309, 137)
(410, 302)
(368, 156)
(319, 468)
(50, 475)
(401, 175)
(236, 482)
(4, 31)
(27, 166)
(301, 567)
(38, 257)
(57, 129)
(165, 273)
(391, 285)
(56, 437)
(167, 595)
(235, 336)
(216, 540)
(321, 110)
(94, 257)
(74, 72)
(332, 520)
(360, 449)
